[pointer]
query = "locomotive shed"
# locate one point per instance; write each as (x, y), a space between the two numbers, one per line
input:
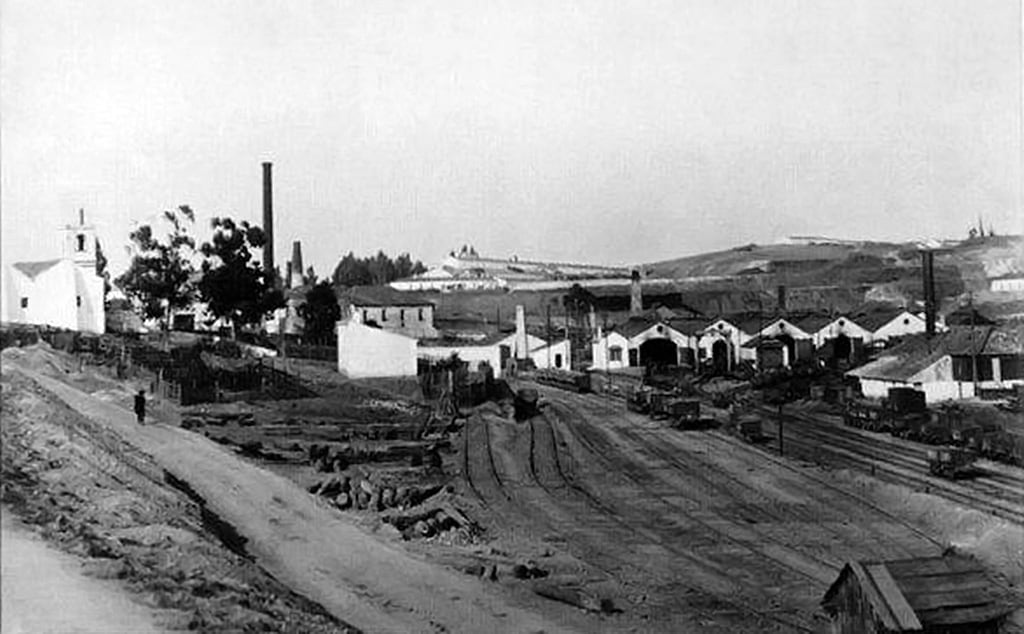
(675, 523)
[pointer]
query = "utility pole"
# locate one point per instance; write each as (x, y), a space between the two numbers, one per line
(781, 449)
(547, 334)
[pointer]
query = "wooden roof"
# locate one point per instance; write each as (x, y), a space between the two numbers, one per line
(910, 595)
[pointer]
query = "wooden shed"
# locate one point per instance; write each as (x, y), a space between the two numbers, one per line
(950, 594)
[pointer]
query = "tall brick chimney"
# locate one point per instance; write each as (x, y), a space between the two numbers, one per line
(268, 219)
(928, 279)
(636, 294)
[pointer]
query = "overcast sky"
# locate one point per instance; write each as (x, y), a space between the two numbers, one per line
(597, 130)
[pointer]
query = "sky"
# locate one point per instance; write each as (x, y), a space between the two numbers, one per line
(603, 131)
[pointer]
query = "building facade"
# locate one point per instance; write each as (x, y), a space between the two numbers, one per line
(63, 293)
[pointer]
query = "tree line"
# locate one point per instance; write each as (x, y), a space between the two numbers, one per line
(170, 272)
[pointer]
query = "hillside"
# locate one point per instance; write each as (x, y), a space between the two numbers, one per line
(883, 268)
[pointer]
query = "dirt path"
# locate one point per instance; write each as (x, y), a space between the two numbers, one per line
(371, 584)
(44, 590)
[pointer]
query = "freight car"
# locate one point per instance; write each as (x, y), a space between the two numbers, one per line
(951, 462)
(565, 379)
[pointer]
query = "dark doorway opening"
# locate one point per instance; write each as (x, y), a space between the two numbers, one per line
(842, 348)
(790, 345)
(659, 352)
(720, 357)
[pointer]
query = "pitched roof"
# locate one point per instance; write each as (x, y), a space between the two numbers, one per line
(874, 319)
(811, 322)
(32, 269)
(634, 326)
(917, 352)
(384, 296)
(750, 323)
(690, 325)
(913, 594)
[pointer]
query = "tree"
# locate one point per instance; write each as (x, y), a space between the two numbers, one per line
(320, 312)
(377, 270)
(101, 270)
(159, 278)
(233, 283)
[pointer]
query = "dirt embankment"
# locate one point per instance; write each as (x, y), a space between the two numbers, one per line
(92, 495)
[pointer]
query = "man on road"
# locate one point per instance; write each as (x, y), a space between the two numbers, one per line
(140, 406)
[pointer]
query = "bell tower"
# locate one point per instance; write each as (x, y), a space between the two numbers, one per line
(80, 242)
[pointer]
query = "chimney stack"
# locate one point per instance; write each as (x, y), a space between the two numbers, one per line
(81, 217)
(521, 341)
(295, 270)
(268, 219)
(782, 298)
(636, 296)
(928, 278)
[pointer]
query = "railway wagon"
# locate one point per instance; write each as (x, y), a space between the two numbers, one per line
(565, 379)
(639, 400)
(951, 462)
(526, 403)
(680, 411)
(750, 429)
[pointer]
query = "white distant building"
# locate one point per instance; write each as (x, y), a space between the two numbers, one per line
(1008, 283)
(65, 292)
(372, 352)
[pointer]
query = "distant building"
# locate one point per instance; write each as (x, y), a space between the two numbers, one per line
(950, 365)
(721, 342)
(885, 324)
(466, 270)
(781, 343)
(647, 339)
(64, 292)
(406, 313)
(1008, 283)
(371, 352)
(930, 595)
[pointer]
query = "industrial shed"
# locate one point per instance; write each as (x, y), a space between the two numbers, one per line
(949, 594)
(369, 352)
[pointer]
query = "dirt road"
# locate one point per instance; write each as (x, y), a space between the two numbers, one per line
(362, 580)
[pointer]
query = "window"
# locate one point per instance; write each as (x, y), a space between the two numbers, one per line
(81, 241)
(906, 321)
(401, 315)
(421, 314)
(78, 301)
(383, 314)
(365, 316)
(615, 353)
(558, 360)
(24, 302)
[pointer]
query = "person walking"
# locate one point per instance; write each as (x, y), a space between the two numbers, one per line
(140, 406)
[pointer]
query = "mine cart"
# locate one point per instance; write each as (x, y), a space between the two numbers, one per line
(660, 404)
(639, 400)
(863, 414)
(750, 430)
(950, 462)
(684, 412)
(526, 403)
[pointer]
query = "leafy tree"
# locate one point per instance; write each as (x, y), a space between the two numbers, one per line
(320, 312)
(101, 270)
(376, 270)
(159, 278)
(233, 283)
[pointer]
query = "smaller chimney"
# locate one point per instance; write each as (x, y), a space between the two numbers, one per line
(782, 297)
(295, 266)
(521, 341)
(928, 278)
(636, 296)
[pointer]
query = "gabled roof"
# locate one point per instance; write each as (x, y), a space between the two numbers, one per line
(750, 323)
(634, 326)
(690, 325)
(762, 342)
(917, 352)
(811, 322)
(384, 296)
(32, 269)
(909, 595)
(875, 318)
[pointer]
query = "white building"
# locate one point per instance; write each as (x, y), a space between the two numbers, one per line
(721, 342)
(494, 350)
(1009, 283)
(950, 365)
(405, 313)
(64, 293)
(368, 352)
(647, 340)
(885, 325)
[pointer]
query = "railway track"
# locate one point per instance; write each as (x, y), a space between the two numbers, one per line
(606, 537)
(829, 444)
